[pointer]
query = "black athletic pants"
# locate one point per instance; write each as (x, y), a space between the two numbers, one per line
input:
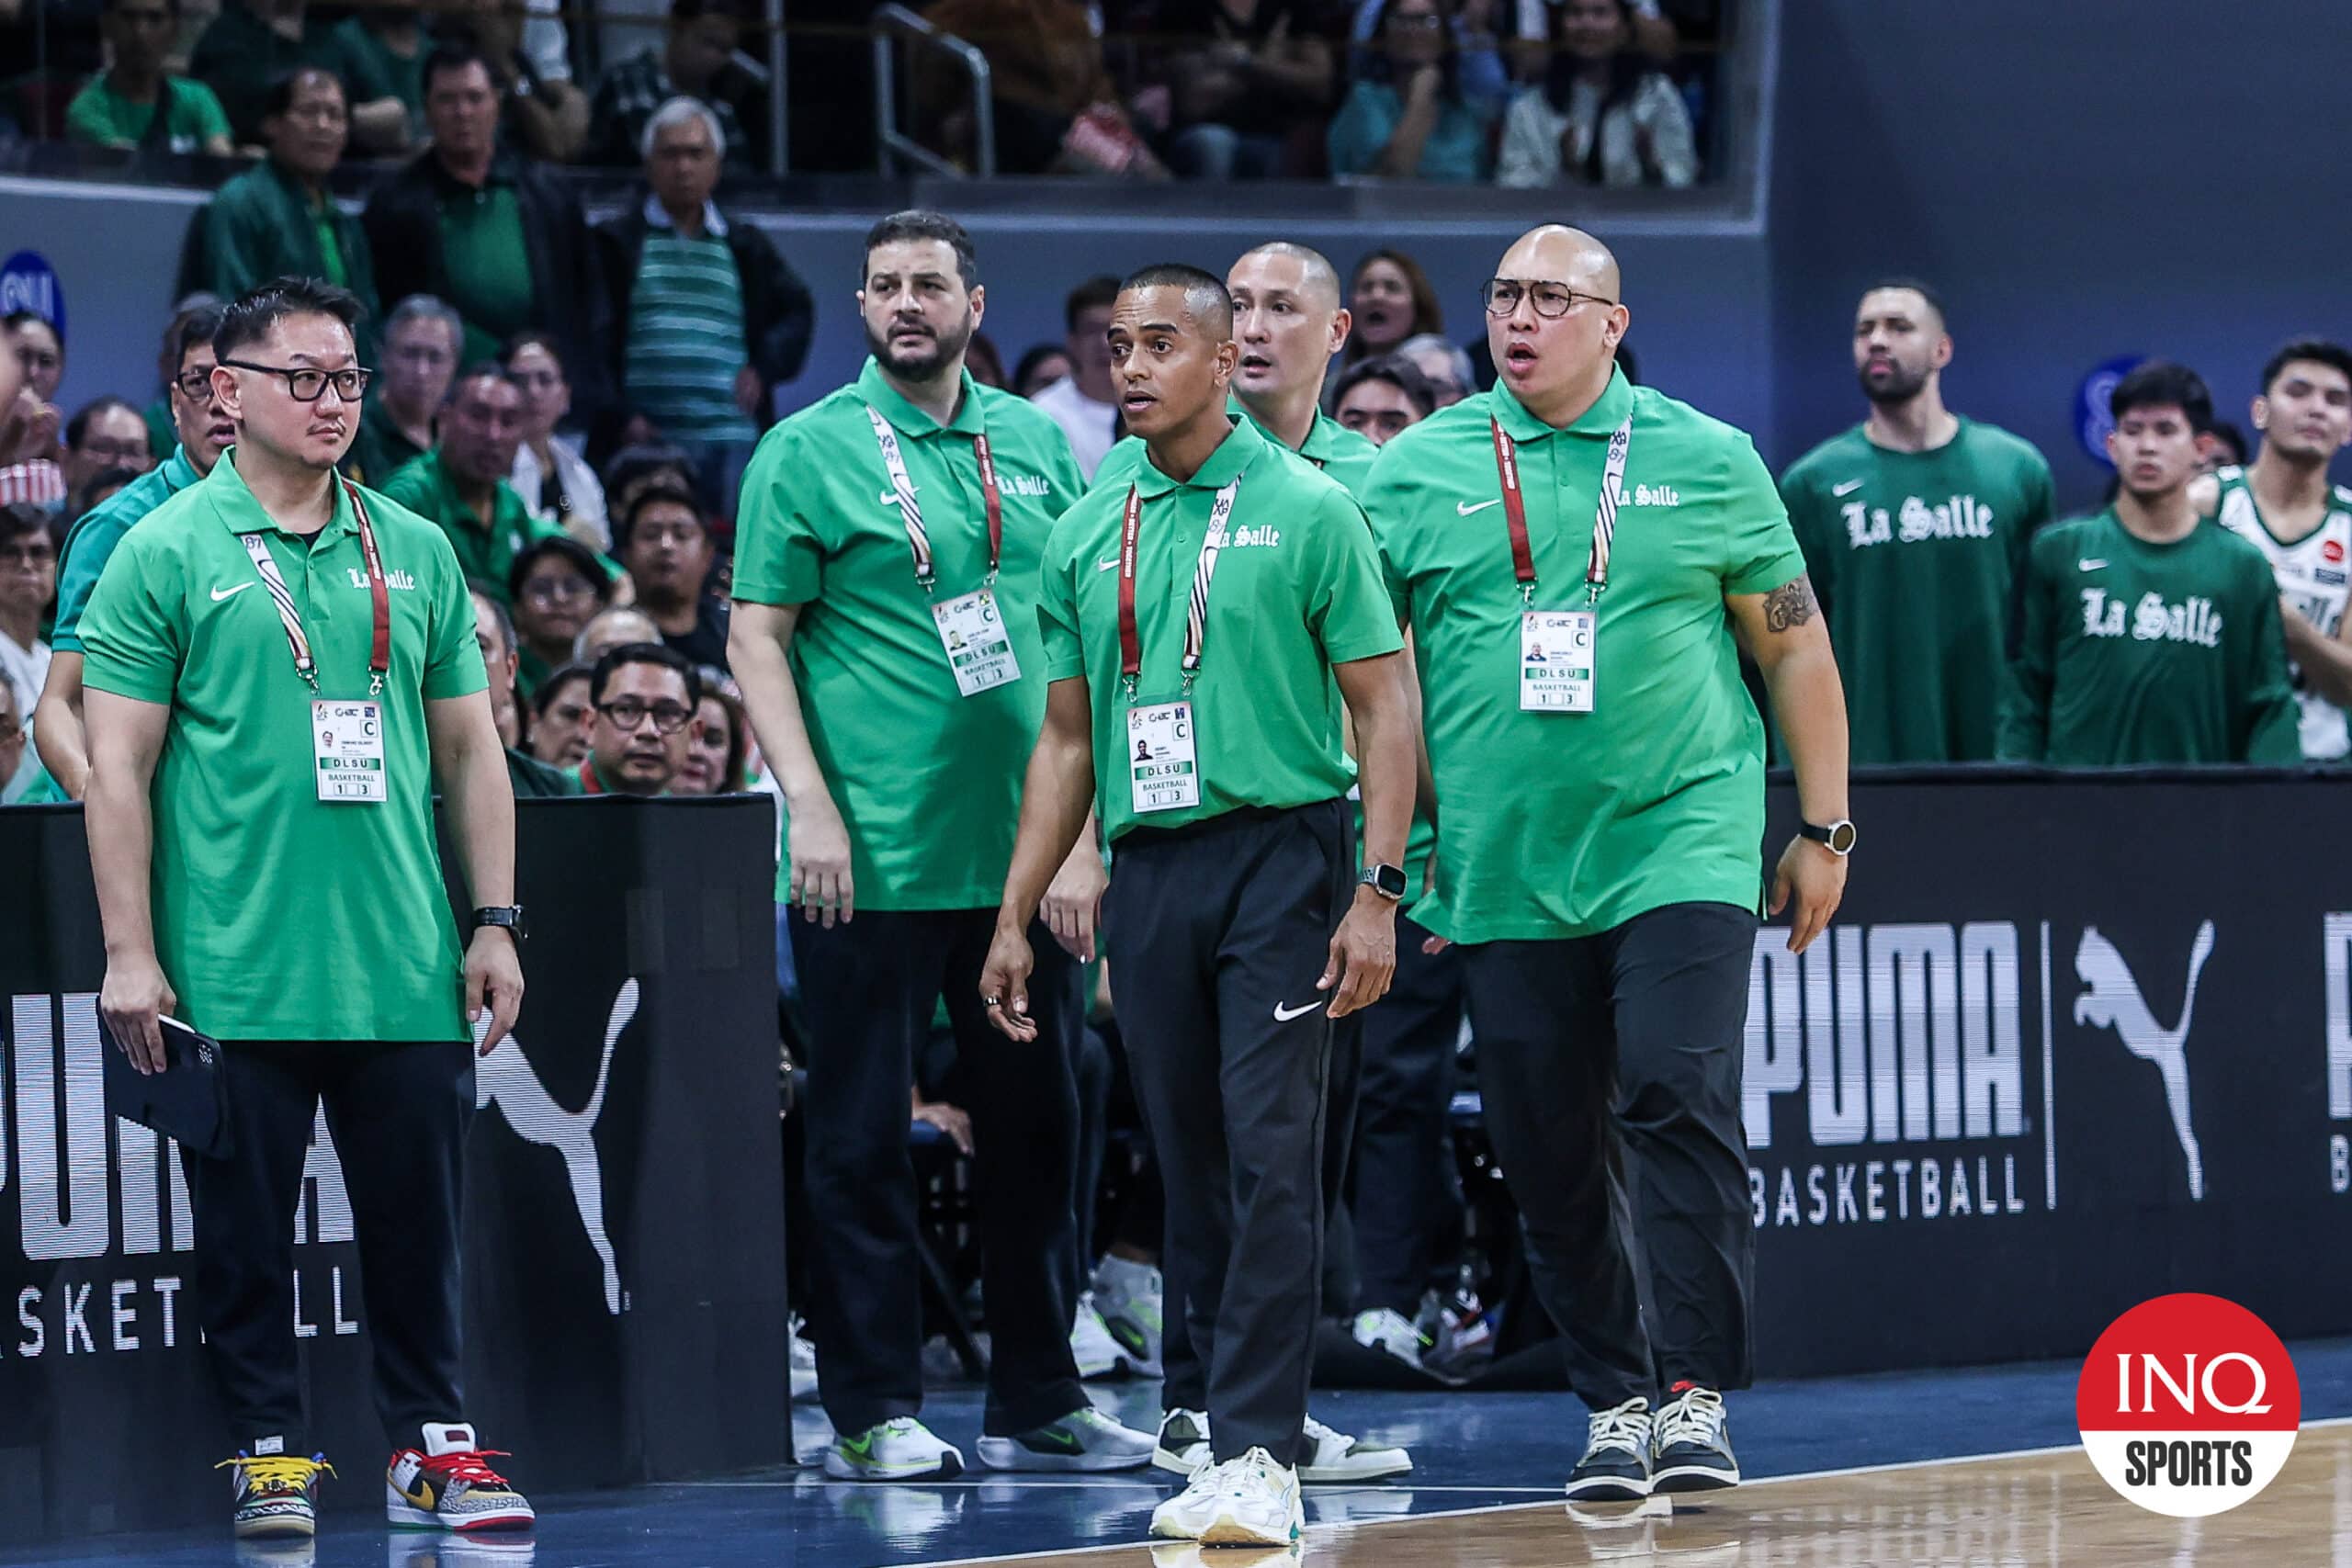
(869, 987)
(398, 1115)
(1408, 1200)
(1619, 1050)
(1218, 932)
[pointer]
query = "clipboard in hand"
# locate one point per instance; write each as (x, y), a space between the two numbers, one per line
(187, 1101)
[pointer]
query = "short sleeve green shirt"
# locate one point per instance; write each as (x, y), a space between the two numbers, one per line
(278, 916)
(1296, 591)
(426, 488)
(1331, 446)
(1564, 825)
(927, 781)
(192, 115)
(91, 543)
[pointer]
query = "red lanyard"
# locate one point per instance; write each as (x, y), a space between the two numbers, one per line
(1604, 515)
(996, 503)
(589, 782)
(910, 512)
(1130, 645)
(1196, 613)
(272, 582)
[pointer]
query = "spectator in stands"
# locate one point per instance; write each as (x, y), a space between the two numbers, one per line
(420, 340)
(1247, 74)
(2223, 447)
(393, 41)
(106, 434)
(31, 355)
(557, 586)
(1040, 368)
(613, 627)
(501, 240)
(711, 317)
(280, 219)
(23, 781)
(163, 433)
(101, 488)
(1391, 300)
(1477, 42)
(559, 715)
(252, 43)
(987, 365)
(1057, 108)
(554, 481)
(1082, 402)
(41, 349)
(136, 101)
(28, 588)
(540, 117)
(718, 741)
(641, 467)
(1407, 117)
(2149, 637)
(691, 63)
(644, 697)
(1382, 397)
(1604, 115)
(461, 483)
(1444, 364)
(495, 635)
(665, 544)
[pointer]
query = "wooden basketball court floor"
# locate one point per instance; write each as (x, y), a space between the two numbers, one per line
(2040, 1509)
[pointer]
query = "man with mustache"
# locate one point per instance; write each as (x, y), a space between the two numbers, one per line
(884, 634)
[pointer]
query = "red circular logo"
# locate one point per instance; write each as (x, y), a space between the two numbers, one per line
(2331, 552)
(2189, 1405)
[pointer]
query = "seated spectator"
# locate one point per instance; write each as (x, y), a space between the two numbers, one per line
(1477, 42)
(557, 586)
(1444, 363)
(665, 544)
(1248, 72)
(559, 719)
(136, 101)
(691, 63)
(99, 488)
(495, 635)
(107, 433)
(554, 481)
(543, 118)
(499, 239)
(636, 468)
(711, 317)
(1082, 402)
(1391, 300)
(1604, 115)
(461, 483)
(419, 351)
(611, 628)
(643, 695)
(1045, 363)
(984, 362)
(254, 42)
(41, 349)
(28, 452)
(393, 41)
(1382, 398)
(1407, 117)
(28, 589)
(1057, 108)
(279, 219)
(717, 742)
(23, 781)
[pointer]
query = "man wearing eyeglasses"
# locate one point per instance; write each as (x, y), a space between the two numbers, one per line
(1581, 561)
(643, 695)
(280, 669)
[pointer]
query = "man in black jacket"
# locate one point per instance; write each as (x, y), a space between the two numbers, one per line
(708, 318)
(490, 233)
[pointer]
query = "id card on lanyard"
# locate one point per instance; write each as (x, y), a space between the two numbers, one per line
(1559, 649)
(972, 630)
(1162, 739)
(347, 735)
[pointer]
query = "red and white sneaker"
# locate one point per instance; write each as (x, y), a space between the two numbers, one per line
(449, 1486)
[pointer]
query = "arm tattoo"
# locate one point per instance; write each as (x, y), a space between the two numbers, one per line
(1791, 605)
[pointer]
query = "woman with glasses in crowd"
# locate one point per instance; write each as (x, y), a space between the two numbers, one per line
(557, 585)
(1407, 117)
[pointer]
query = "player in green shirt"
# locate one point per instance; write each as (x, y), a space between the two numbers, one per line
(1914, 525)
(2151, 636)
(1202, 624)
(1581, 561)
(280, 668)
(135, 102)
(203, 429)
(461, 483)
(885, 634)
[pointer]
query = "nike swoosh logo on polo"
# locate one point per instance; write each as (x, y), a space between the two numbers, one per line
(221, 593)
(1110, 565)
(1284, 1014)
(2088, 565)
(1464, 508)
(889, 498)
(1849, 487)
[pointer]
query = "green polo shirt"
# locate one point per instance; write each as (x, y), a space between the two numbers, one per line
(928, 781)
(240, 56)
(90, 544)
(487, 259)
(1331, 446)
(192, 115)
(1564, 825)
(427, 488)
(381, 449)
(535, 780)
(1296, 591)
(278, 916)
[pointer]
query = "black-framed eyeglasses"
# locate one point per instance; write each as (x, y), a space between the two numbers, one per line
(628, 713)
(307, 386)
(1502, 296)
(195, 386)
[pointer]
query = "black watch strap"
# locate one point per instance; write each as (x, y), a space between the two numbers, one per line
(1839, 835)
(509, 916)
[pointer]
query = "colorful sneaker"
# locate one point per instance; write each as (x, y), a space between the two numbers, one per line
(1690, 1450)
(804, 1366)
(1183, 1444)
(1386, 1330)
(1333, 1458)
(1085, 1440)
(901, 1448)
(1091, 1345)
(449, 1486)
(1249, 1501)
(1616, 1463)
(275, 1495)
(1127, 1294)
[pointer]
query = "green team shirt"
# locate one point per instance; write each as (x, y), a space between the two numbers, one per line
(1565, 825)
(927, 781)
(192, 115)
(427, 488)
(279, 915)
(2136, 653)
(91, 543)
(1914, 557)
(1296, 591)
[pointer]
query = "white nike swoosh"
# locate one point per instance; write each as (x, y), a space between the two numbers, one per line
(1849, 487)
(1284, 1014)
(221, 593)
(1465, 508)
(889, 498)
(1107, 565)
(2089, 565)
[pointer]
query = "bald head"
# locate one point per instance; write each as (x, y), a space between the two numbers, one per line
(1314, 279)
(1555, 348)
(1557, 253)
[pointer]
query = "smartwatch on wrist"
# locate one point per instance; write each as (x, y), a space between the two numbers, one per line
(1388, 881)
(509, 916)
(1839, 837)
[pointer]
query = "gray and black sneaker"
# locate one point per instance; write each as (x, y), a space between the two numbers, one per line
(1085, 1440)
(1183, 1446)
(1690, 1450)
(1616, 1463)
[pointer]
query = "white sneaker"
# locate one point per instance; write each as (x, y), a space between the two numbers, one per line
(1091, 1345)
(1191, 1555)
(1386, 1330)
(1334, 1458)
(1127, 1295)
(899, 1449)
(1083, 1440)
(1249, 1501)
(1183, 1444)
(804, 1366)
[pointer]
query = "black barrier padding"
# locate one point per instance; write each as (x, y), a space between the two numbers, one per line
(682, 1158)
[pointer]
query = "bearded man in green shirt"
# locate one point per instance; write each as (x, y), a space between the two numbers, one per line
(1580, 561)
